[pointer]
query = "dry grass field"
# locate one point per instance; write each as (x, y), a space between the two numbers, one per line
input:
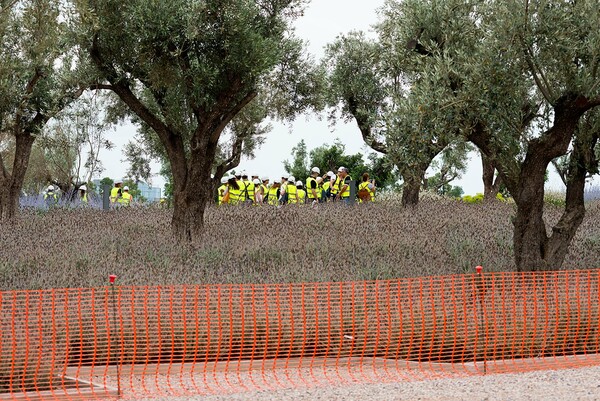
(80, 248)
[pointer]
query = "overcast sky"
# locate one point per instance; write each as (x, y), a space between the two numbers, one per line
(321, 23)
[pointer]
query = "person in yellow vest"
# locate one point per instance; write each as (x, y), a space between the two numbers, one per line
(291, 191)
(50, 197)
(327, 186)
(248, 193)
(366, 189)
(115, 193)
(233, 193)
(221, 190)
(344, 184)
(273, 194)
(126, 197)
(264, 188)
(283, 197)
(312, 186)
(335, 185)
(320, 191)
(301, 192)
(83, 198)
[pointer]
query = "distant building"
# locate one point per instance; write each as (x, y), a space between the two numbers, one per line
(152, 194)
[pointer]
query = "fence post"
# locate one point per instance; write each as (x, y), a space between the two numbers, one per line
(482, 321)
(112, 279)
(352, 198)
(106, 197)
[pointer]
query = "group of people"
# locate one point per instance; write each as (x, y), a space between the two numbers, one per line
(51, 195)
(119, 195)
(330, 187)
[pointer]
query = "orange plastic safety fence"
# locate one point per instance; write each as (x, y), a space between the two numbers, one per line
(88, 343)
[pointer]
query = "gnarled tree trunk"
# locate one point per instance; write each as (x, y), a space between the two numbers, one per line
(11, 183)
(491, 183)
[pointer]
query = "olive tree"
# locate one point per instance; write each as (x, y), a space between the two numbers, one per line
(37, 79)
(371, 82)
(186, 68)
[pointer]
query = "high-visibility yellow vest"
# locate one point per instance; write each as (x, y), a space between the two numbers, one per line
(273, 197)
(292, 192)
(84, 198)
(346, 192)
(235, 195)
(125, 199)
(309, 191)
(242, 194)
(114, 194)
(365, 185)
(301, 196)
(249, 194)
(221, 192)
(265, 190)
(336, 186)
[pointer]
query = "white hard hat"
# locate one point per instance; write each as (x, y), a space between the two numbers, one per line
(244, 174)
(118, 182)
(83, 187)
(316, 170)
(291, 178)
(224, 180)
(50, 188)
(265, 178)
(255, 175)
(125, 188)
(330, 173)
(342, 169)
(299, 184)
(256, 181)
(319, 180)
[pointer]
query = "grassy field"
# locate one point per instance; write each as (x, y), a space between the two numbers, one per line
(80, 248)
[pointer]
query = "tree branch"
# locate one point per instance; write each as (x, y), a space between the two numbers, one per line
(365, 128)
(216, 132)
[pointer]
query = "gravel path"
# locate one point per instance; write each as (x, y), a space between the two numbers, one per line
(572, 384)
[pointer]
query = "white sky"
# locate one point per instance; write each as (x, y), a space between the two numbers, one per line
(321, 23)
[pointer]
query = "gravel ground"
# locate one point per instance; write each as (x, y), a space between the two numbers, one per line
(572, 384)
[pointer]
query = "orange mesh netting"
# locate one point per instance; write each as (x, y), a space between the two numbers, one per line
(177, 340)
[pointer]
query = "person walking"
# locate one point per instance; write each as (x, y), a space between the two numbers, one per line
(221, 190)
(366, 189)
(301, 192)
(291, 191)
(273, 197)
(83, 198)
(233, 193)
(126, 197)
(312, 186)
(116, 192)
(265, 188)
(50, 197)
(344, 184)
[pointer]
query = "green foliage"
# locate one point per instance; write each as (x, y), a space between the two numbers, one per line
(298, 167)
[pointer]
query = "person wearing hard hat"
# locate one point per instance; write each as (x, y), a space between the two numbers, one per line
(320, 192)
(327, 185)
(274, 193)
(264, 187)
(83, 194)
(50, 197)
(312, 186)
(301, 192)
(116, 192)
(126, 197)
(221, 190)
(344, 184)
(334, 186)
(248, 192)
(291, 190)
(283, 196)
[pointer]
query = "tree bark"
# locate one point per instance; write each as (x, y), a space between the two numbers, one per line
(491, 184)
(410, 191)
(11, 183)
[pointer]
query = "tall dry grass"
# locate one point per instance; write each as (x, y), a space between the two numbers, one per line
(80, 248)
